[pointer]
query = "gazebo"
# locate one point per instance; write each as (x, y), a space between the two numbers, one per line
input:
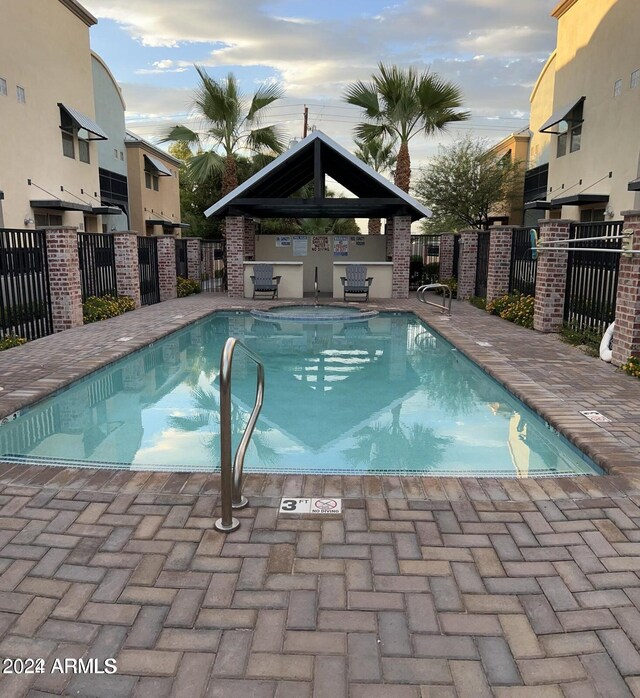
(268, 194)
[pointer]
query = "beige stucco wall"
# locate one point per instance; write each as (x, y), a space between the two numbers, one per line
(145, 204)
(541, 109)
(45, 50)
(597, 45)
(517, 146)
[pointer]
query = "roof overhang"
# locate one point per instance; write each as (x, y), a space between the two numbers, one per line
(80, 12)
(156, 221)
(60, 205)
(106, 210)
(634, 185)
(180, 225)
(84, 122)
(538, 205)
(157, 166)
(559, 115)
(580, 200)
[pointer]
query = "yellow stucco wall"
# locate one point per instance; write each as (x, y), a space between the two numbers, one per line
(517, 145)
(45, 50)
(597, 45)
(541, 102)
(145, 204)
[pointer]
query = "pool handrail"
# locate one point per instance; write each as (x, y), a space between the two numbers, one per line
(231, 474)
(315, 287)
(446, 295)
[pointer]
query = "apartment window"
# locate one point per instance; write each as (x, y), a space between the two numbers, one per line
(43, 220)
(22, 98)
(83, 150)
(3, 87)
(122, 156)
(570, 131)
(151, 181)
(635, 78)
(115, 153)
(617, 88)
(155, 180)
(68, 149)
(147, 180)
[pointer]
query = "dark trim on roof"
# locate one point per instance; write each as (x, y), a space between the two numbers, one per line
(156, 166)
(106, 210)
(580, 200)
(156, 221)
(634, 185)
(537, 205)
(559, 115)
(80, 12)
(133, 141)
(82, 121)
(60, 205)
(181, 225)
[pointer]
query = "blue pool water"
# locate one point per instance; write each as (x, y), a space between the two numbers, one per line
(388, 395)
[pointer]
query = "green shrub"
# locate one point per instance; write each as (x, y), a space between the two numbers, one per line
(478, 302)
(16, 314)
(186, 287)
(452, 283)
(430, 272)
(514, 307)
(572, 333)
(97, 308)
(11, 341)
(632, 367)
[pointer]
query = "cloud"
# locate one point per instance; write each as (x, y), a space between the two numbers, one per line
(165, 66)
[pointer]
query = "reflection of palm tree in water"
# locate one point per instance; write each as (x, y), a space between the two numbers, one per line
(397, 445)
(207, 406)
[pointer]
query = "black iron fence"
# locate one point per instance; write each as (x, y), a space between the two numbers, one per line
(522, 276)
(25, 304)
(182, 268)
(96, 253)
(214, 276)
(148, 264)
(424, 266)
(456, 255)
(482, 264)
(592, 276)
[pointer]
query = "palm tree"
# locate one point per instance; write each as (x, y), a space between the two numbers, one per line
(231, 122)
(400, 104)
(380, 155)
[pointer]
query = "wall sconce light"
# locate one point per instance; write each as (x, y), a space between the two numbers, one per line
(609, 212)
(28, 220)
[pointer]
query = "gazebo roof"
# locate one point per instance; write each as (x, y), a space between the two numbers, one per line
(268, 193)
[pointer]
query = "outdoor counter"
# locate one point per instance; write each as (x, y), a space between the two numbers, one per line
(382, 273)
(290, 284)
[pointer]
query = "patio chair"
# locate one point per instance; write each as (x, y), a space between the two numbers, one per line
(264, 281)
(356, 281)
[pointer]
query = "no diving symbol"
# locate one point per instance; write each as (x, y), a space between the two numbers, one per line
(326, 505)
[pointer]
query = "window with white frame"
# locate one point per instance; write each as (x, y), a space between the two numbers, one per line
(20, 93)
(3, 87)
(617, 88)
(635, 78)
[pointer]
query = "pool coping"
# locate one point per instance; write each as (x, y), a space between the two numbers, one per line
(156, 322)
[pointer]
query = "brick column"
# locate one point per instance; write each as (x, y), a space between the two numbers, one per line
(500, 240)
(249, 239)
(551, 277)
(194, 259)
(125, 244)
(626, 337)
(467, 264)
(64, 278)
(446, 256)
(235, 256)
(401, 254)
(167, 267)
(388, 235)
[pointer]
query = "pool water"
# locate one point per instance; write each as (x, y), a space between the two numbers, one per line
(384, 396)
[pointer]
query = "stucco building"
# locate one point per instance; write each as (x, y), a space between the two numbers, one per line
(585, 144)
(516, 149)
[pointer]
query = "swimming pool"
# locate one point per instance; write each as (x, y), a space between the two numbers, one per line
(385, 396)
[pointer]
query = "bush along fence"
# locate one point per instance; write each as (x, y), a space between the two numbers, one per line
(53, 279)
(583, 290)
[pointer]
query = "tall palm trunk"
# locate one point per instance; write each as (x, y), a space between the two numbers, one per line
(375, 226)
(230, 175)
(402, 177)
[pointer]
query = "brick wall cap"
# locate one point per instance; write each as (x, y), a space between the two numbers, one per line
(630, 213)
(59, 227)
(501, 227)
(121, 232)
(556, 221)
(468, 231)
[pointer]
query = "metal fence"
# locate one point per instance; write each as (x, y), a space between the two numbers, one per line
(96, 253)
(182, 269)
(148, 264)
(456, 255)
(214, 275)
(425, 259)
(25, 303)
(592, 277)
(522, 275)
(482, 264)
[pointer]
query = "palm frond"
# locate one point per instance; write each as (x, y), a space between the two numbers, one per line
(267, 138)
(203, 165)
(263, 97)
(180, 133)
(193, 422)
(364, 95)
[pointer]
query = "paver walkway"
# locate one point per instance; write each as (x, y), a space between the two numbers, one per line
(422, 587)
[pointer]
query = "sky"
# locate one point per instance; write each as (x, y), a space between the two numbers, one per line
(493, 49)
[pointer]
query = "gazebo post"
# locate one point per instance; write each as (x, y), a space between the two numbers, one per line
(401, 255)
(235, 229)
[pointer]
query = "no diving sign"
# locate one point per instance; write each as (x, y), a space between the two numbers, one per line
(310, 505)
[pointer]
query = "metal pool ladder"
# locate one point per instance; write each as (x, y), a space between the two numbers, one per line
(446, 296)
(231, 473)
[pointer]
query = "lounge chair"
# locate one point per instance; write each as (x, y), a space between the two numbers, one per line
(264, 281)
(356, 281)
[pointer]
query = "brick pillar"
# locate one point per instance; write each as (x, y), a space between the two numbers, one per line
(194, 259)
(249, 239)
(388, 235)
(500, 240)
(626, 336)
(64, 278)
(551, 277)
(125, 244)
(446, 256)
(235, 256)
(467, 264)
(401, 254)
(167, 267)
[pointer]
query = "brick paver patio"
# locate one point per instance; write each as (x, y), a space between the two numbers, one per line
(422, 587)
